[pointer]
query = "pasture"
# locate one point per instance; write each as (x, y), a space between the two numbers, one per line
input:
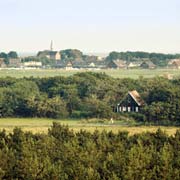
(41, 125)
(116, 73)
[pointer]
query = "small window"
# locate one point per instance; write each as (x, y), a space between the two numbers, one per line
(137, 109)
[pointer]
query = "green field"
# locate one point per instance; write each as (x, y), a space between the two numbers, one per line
(38, 125)
(122, 73)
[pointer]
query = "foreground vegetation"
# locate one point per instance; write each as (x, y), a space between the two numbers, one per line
(41, 125)
(65, 154)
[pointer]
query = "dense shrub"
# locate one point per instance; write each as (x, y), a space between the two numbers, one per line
(64, 154)
(88, 95)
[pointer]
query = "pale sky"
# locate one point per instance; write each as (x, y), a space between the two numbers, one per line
(90, 25)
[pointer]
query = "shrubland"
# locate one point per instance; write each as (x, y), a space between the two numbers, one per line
(89, 95)
(65, 154)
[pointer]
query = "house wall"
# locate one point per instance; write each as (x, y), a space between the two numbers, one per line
(15, 62)
(57, 56)
(128, 105)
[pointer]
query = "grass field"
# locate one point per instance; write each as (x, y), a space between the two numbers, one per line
(122, 73)
(38, 125)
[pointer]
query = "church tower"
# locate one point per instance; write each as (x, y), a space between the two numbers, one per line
(51, 46)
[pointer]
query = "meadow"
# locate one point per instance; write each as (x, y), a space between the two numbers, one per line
(41, 125)
(116, 73)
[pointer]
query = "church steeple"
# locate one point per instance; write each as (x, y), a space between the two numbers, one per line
(51, 46)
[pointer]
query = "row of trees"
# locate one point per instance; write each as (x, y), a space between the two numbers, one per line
(88, 95)
(157, 58)
(64, 154)
(7, 56)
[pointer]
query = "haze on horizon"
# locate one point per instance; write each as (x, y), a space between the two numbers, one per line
(91, 26)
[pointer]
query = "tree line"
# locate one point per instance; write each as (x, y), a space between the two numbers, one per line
(159, 59)
(88, 95)
(9, 55)
(65, 154)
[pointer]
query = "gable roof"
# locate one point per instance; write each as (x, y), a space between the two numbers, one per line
(150, 64)
(119, 63)
(134, 64)
(116, 64)
(135, 95)
(172, 61)
(176, 62)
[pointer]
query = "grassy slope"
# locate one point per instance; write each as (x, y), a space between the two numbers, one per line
(38, 125)
(123, 73)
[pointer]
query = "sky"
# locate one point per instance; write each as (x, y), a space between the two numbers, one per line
(90, 25)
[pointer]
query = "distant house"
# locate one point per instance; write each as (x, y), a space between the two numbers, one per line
(174, 64)
(101, 64)
(132, 65)
(147, 65)
(60, 64)
(80, 64)
(14, 62)
(92, 65)
(32, 64)
(116, 64)
(132, 102)
(2, 63)
(67, 65)
(54, 55)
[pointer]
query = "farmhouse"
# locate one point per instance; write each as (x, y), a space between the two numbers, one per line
(131, 103)
(32, 64)
(79, 64)
(54, 55)
(147, 65)
(14, 62)
(117, 64)
(67, 65)
(174, 64)
(132, 65)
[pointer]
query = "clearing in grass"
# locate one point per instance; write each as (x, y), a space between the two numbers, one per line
(41, 125)
(116, 73)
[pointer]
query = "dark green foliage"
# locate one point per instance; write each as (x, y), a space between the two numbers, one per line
(88, 95)
(64, 154)
(7, 56)
(13, 55)
(3, 55)
(71, 54)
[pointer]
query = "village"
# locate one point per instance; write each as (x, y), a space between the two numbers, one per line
(73, 59)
